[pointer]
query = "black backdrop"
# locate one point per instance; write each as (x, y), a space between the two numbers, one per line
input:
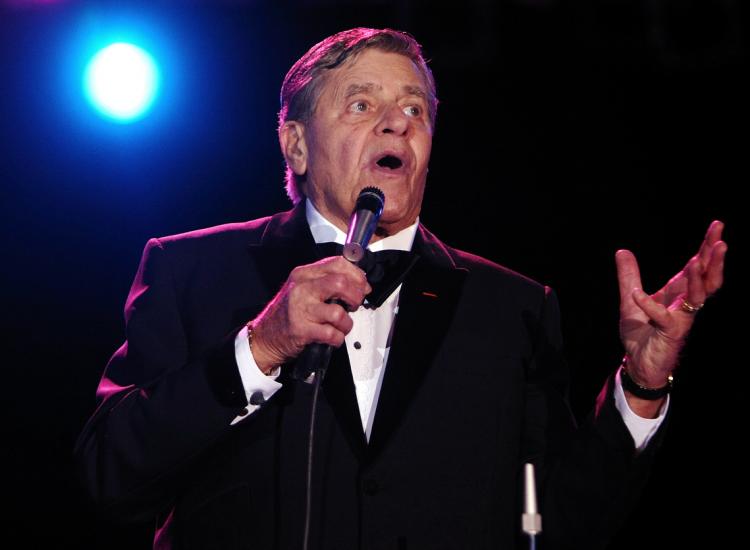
(567, 130)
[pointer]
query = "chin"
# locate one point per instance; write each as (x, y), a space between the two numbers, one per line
(392, 222)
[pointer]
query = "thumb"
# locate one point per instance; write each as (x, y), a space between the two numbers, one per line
(628, 278)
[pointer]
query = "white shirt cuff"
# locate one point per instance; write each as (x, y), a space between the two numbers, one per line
(641, 429)
(253, 380)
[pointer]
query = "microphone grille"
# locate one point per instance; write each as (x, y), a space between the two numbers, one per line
(372, 199)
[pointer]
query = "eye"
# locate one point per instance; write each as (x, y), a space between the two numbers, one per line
(358, 106)
(413, 110)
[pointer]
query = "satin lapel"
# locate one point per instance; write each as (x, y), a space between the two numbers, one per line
(339, 391)
(285, 244)
(426, 307)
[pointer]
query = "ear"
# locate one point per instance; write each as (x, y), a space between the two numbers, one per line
(293, 146)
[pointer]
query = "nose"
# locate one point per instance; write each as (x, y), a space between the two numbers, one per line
(393, 121)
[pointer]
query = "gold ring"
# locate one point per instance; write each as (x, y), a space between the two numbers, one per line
(687, 307)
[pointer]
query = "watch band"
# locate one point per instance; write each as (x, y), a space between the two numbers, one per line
(642, 392)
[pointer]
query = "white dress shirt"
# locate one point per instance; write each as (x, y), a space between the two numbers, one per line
(368, 345)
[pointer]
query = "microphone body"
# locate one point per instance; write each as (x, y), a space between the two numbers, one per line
(362, 225)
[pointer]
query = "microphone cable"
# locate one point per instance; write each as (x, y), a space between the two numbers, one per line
(364, 220)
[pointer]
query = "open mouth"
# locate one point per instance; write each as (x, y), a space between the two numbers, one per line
(390, 162)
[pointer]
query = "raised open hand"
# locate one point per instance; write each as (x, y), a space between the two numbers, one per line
(654, 328)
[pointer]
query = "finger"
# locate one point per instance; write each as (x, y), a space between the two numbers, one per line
(334, 315)
(714, 273)
(713, 235)
(677, 285)
(329, 278)
(628, 278)
(355, 276)
(656, 312)
(321, 268)
(696, 291)
(345, 287)
(326, 334)
(310, 272)
(320, 323)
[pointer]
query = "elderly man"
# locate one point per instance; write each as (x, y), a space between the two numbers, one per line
(439, 389)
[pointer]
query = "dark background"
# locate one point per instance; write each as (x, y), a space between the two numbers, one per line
(567, 130)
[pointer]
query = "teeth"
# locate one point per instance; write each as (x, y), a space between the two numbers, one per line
(389, 161)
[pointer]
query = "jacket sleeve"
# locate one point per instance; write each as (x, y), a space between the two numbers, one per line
(590, 477)
(157, 410)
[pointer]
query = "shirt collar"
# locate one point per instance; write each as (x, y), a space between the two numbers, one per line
(324, 231)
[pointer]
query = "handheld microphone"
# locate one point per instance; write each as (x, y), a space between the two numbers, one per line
(316, 357)
(362, 225)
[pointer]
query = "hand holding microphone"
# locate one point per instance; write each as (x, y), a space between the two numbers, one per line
(311, 306)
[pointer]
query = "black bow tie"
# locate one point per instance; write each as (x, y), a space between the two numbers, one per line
(385, 269)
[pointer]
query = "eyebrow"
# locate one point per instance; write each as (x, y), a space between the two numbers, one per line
(369, 87)
(416, 91)
(354, 89)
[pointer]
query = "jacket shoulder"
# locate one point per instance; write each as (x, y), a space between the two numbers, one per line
(482, 268)
(244, 232)
(209, 246)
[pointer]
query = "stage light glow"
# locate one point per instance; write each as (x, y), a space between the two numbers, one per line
(122, 81)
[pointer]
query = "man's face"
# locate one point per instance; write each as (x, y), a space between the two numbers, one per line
(370, 127)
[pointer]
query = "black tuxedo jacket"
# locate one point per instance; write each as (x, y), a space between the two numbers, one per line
(474, 387)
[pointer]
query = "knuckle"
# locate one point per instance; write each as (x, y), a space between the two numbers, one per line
(294, 291)
(330, 334)
(338, 282)
(336, 337)
(348, 324)
(338, 314)
(330, 263)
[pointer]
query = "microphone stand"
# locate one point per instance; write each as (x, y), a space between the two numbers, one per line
(531, 519)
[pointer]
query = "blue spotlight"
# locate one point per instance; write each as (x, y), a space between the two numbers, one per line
(121, 81)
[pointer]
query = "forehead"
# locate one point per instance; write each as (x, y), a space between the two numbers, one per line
(374, 70)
